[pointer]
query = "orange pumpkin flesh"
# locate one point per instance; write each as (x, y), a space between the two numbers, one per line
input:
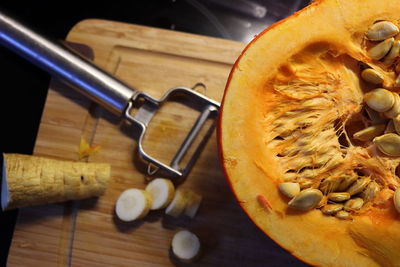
(308, 65)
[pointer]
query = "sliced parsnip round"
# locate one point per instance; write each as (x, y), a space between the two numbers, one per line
(193, 201)
(185, 245)
(177, 205)
(162, 192)
(133, 204)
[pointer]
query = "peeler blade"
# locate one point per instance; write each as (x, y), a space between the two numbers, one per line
(208, 110)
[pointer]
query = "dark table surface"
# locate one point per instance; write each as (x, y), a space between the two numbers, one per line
(23, 86)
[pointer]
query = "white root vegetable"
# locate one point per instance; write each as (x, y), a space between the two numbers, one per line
(32, 180)
(193, 201)
(133, 204)
(177, 205)
(162, 192)
(186, 246)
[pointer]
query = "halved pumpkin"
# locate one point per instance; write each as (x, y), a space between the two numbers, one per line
(292, 103)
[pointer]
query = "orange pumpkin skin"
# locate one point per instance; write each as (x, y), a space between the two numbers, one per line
(291, 48)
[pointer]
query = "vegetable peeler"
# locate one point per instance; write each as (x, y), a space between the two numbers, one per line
(136, 107)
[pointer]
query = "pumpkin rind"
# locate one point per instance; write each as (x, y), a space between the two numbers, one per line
(286, 48)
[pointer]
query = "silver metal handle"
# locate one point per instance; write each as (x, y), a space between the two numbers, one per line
(69, 67)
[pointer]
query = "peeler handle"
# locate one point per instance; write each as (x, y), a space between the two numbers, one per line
(69, 67)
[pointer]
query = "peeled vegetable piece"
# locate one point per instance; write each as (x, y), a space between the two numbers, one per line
(133, 204)
(193, 201)
(177, 205)
(31, 180)
(185, 246)
(162, 192)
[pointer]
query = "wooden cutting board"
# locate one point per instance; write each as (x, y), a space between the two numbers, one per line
(87, 233)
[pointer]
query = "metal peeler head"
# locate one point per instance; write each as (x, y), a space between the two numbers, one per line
(146, 107)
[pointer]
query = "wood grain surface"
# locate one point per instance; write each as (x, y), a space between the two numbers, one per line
(87, 233)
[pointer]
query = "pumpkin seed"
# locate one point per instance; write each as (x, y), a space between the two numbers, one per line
(380, 50)
(393, 53)
(370, 132)
(388, 144)
(289, 151)
(375, 116)
(329, 184)
(322, 160)
(308, 173)
(315, 102)
(395, 110)
(308, 150)
(324, 149)
(289, 114)
(372, 76)
(285, 134)
(379, 99)
(353, 204)
(346, 182)
(306, 122)
(289, 189)
(290, 176)
(306, 199)
(358, 186)
(343, 215)
(382, 30)
(330, 209)
(396, 199)
(305, 183)
(396, 123)
(370, 191)
(335, 161)
(339, 196)
(390, 127)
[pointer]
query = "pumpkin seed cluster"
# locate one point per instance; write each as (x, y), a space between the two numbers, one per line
(337, 197)
(383, 106)
(342, 195)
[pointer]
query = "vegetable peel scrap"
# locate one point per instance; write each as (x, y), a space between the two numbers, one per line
(264, 202)
(85, 150)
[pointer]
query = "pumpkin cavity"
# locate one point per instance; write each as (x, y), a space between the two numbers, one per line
(328, 131)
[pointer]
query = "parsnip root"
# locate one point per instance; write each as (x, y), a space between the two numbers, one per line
(31, 180)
